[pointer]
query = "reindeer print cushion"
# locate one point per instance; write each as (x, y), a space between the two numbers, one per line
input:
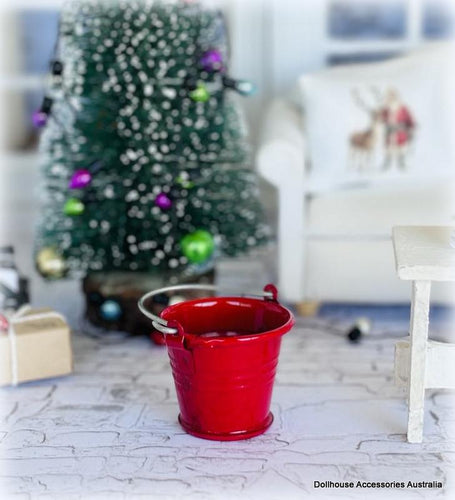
(391, 118)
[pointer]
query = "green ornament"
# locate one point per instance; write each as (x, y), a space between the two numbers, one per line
(184, 182)
(198, 246)
(73, 206)
(200, 93)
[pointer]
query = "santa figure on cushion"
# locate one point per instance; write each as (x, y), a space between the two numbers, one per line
(399, 130)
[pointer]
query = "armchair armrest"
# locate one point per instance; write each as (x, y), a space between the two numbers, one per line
(281, 160)
(281, 155)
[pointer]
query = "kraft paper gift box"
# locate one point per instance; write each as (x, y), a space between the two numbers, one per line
(37, 345)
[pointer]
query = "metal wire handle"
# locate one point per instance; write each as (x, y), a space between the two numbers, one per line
(161, 324)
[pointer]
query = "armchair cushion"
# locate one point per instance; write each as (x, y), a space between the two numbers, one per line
(389, 118)
(372, 212)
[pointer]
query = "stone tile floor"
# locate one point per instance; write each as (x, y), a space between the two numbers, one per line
(110, 429)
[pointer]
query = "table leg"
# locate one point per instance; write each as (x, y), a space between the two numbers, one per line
(420, 306)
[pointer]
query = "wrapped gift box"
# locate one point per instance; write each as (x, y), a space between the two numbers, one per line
(37, 345)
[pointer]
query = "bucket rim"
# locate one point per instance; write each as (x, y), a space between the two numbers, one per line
(279, 331)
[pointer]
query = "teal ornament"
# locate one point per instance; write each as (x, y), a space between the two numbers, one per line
(110, 310)
(73, 207)
(200, 93)
(246, 88)
(243, 87)
(197, 246)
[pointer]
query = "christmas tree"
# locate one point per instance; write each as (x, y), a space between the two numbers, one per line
(145, 161)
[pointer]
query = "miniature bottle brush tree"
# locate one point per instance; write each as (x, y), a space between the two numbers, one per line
(145, 162)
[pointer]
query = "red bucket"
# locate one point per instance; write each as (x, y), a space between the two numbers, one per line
(224, 353)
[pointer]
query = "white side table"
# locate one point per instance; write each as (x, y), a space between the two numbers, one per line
(423, 254)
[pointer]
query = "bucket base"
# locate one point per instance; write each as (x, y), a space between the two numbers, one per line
(230, 436)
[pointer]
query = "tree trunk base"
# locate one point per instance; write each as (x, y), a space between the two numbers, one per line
(123, 290)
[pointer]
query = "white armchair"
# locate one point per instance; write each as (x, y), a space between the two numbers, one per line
(334, 236)
(281, 162)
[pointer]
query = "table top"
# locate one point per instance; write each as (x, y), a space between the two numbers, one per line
(424, 253)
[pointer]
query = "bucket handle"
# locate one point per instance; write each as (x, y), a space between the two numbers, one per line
(161, 324)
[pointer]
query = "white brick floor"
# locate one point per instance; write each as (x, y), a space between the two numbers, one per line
(110, 429)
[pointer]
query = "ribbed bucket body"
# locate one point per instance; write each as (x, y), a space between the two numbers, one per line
(224, 361)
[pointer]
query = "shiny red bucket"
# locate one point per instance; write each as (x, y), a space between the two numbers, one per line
(224, 353)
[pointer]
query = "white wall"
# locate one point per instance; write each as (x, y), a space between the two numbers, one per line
(272, 41)
(275, 41)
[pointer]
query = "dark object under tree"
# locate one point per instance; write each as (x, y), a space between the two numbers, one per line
(125, 288)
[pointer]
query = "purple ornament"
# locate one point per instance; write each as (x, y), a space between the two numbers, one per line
(163, 201)
(212, 60)
(80, 179)
(39, 118)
